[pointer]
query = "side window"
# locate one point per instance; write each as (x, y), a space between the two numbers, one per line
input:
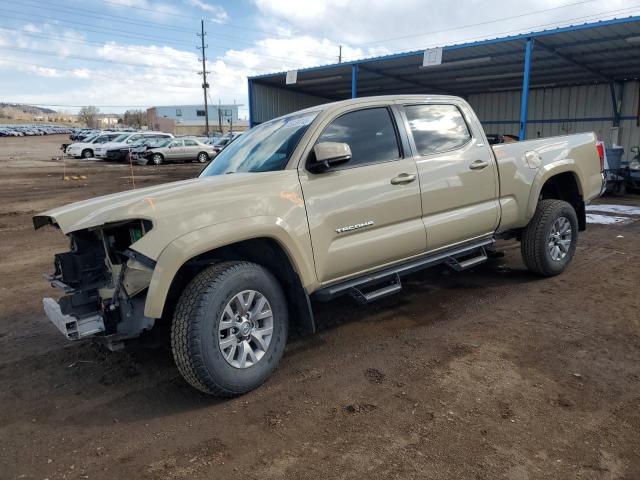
(176, 143)
(437, 128)
(370, 134)
(190, 143)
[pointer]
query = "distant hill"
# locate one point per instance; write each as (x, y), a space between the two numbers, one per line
(28, 109)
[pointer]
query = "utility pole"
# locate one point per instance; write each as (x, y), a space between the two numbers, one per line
(204, 72)
(340, 55)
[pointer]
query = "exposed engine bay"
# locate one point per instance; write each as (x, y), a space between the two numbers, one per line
(104, 284)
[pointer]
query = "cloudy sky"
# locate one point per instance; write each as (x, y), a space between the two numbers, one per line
(120, 54)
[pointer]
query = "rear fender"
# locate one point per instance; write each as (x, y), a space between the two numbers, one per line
(545, 173)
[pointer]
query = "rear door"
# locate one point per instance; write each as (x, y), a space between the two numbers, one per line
(366, 213)
(458, 173)
(191, 149)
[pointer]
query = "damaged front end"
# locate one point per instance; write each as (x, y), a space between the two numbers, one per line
(104, 283)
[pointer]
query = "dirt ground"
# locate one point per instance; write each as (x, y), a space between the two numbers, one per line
(486, 374)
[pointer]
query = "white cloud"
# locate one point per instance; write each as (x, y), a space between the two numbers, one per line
(306, 33)
(220, 15)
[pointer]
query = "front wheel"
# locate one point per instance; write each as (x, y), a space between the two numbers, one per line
(229, 328)
(549, 240)
(157, 159)
(203, 157)
(87, 153)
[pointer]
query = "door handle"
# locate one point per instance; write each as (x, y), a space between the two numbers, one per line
(403, 178)
(478, 165)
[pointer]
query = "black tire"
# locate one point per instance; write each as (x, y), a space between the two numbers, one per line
(535, 238)
(203, 157)
(157, 159)
(194, 331)
(87, 153)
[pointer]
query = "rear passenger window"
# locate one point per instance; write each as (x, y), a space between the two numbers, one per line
(437, 128)
(369, 133)
(190, 143)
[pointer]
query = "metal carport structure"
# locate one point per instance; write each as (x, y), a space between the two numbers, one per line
(584, 66)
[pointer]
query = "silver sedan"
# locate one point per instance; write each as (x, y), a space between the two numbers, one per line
(179, 150)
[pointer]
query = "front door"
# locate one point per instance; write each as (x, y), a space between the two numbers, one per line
(365, 213)
(175, 149)
(458, 173)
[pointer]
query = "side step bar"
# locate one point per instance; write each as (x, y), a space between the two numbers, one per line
(384, 289)
(387, 281)
(468, 263)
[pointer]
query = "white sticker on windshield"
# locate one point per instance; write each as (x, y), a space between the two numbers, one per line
(299, 121)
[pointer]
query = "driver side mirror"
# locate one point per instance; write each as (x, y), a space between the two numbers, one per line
(329, 154)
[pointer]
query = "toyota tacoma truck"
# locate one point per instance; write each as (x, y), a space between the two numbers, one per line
(342, 198)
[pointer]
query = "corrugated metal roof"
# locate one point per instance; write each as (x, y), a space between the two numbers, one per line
(574, 55)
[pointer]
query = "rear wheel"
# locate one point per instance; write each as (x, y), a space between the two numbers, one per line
(229, 328)
(549, 240)
(157, 159)
(203, 157)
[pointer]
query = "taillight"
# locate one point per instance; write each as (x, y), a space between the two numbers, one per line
(600, 148)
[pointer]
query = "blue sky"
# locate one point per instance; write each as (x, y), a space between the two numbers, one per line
(119, 54)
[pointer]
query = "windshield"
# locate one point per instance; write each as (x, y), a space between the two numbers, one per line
(265, 148)
(162, 143)
(121, 138)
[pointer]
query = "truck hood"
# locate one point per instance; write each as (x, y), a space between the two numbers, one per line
(180, 207)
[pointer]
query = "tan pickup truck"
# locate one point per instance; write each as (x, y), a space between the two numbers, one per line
(343, 198)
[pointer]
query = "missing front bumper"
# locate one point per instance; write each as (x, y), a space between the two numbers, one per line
(72, 327)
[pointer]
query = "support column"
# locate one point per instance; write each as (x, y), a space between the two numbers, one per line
(615, 105)
(524, 105)
(354, 80)
(250, 94)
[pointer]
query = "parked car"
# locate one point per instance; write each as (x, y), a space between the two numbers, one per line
(341, 198)
(137, 148)
(86, 148)
(125, 140)
(224, 141)
(178, 150)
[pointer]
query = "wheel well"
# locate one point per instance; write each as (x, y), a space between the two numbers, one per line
(564, 186)
(265, 252)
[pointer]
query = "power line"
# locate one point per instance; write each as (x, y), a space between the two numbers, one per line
(105, 30)
(147, 24)
(123, 33)
(512, 17)
(88, 59)
(144, 50)
(194, 17)
(75, 70)
(627, 10)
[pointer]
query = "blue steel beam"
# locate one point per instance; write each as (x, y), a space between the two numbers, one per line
(524, 106)
(354, 80)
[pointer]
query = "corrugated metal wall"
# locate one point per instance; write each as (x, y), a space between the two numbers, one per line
(562, 110)
(271, 102)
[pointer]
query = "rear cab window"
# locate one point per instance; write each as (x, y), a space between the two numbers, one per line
(437, 128)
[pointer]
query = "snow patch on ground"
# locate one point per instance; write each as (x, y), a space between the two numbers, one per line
(623, 209)
(606, 219)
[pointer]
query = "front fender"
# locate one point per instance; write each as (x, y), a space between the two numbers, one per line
(545, 173)
(295, 242)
